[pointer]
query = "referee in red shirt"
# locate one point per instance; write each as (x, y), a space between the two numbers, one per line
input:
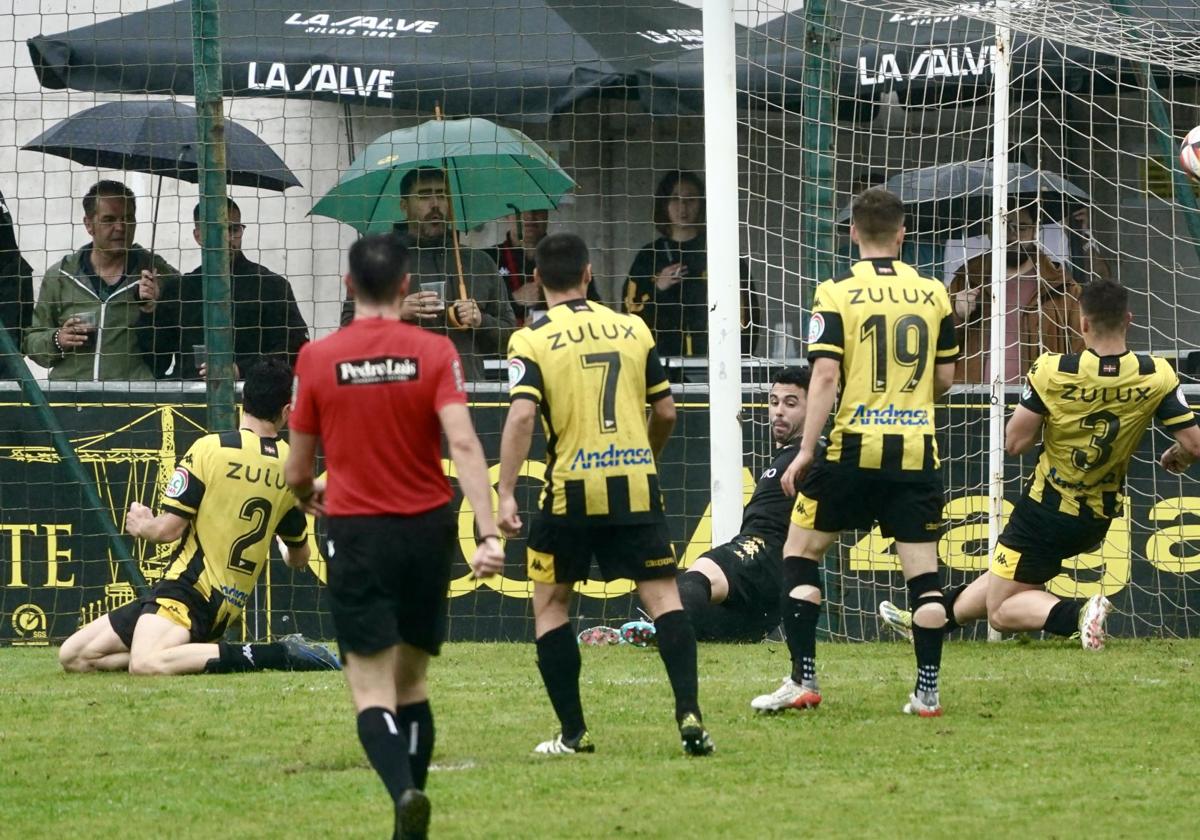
(378, 394)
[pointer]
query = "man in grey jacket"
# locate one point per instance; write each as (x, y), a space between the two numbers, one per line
(95, 313)
(478, 316)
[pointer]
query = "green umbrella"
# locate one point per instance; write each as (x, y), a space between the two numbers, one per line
(491, 172)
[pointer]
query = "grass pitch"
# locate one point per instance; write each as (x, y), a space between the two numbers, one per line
(1039, 740)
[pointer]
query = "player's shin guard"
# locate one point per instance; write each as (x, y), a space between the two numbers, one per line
(386, 749)
(695, 591)
(800, 617)
(416, 722)
(1063, 619)
(677, 647)
(234, 658)
(559, 663)
(925, 590)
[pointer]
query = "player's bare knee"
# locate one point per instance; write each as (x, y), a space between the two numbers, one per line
(146, 665)
(927, 601)
(70, 657)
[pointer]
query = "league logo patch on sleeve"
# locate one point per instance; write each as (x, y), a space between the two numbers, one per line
(178, 484)
(295, 390)
(1027, 392)
(516, 372)
(816, 327)
(1182, 397)
(460, 383)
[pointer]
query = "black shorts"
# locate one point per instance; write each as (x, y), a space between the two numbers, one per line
(1036, 540)
(835, 498)
(561, 550)
(176, 602)
(389, 578)
(754, 571)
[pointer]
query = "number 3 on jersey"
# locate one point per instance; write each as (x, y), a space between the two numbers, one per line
(610, 366)
(875, 330)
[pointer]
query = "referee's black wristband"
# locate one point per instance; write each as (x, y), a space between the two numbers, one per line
(489, 537)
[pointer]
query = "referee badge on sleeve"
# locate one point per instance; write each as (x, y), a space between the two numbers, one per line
(516, 372)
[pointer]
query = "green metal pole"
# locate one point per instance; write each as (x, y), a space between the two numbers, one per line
(117, 546)
(816, 220)
(817, 210)
(214, 215)
(1160, 122)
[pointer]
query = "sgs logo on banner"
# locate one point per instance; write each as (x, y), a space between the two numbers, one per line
(29, 626)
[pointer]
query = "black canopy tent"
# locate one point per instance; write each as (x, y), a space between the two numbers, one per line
(520, 58)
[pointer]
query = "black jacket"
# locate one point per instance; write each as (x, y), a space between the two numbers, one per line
(16, 286)
(266, 319)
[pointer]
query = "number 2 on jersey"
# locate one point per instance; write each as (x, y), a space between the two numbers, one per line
(256, 511)
(875, 330)
(610, 364)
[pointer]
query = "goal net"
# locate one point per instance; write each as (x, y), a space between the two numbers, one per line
(832, 97)
(1095, 98)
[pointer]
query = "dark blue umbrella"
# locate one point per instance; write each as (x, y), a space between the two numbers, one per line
(159, 138)
(937, 198)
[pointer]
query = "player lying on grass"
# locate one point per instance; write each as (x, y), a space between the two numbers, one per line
(224, 502)
(731, 593)
(1091, 410)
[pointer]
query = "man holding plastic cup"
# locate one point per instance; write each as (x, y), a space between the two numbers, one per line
(472, 306)
(96, 309)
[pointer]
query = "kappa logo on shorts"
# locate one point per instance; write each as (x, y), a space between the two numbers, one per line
(1001, 558)
(536, 564)
(378, 370)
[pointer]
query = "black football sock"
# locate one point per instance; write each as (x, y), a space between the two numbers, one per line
(695, 590)
(559, 663)
(677, 647)
(927, 643)
(386, 748)
(235, 658)
(416, 722)
(951, 597)
(1063, 619)
(800, 618)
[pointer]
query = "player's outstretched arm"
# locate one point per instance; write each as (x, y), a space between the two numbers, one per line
(822, 393)
(468, 459)
(298, 473)
(141, 522)
(1184, 452)
(1022, 431)
(514, 450)
(296, 556)
(661, 423)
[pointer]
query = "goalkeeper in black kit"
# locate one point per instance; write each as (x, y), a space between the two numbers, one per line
(731, 593)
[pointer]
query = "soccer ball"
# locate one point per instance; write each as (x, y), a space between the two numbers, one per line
(1189, 153)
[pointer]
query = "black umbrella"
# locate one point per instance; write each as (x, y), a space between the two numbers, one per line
(473, 57)
(159, 138)
(951, 196)
(925, 58)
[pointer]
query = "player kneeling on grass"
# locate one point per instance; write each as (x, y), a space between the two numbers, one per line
(589, 372)
(731, 593)
(885, 334)
(225, 500)
(1091, 409)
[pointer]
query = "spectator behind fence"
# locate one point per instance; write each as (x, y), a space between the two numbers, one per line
(668, 281)
(480, 324)
(1042, 306)
(95, 316)
(516, 258)
(16, 287)
(1075, 245)
(266, 320)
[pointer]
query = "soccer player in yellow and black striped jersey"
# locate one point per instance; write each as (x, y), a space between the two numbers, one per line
(1091, 410)
(590, 372)
(225, 501)
(886, 335)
